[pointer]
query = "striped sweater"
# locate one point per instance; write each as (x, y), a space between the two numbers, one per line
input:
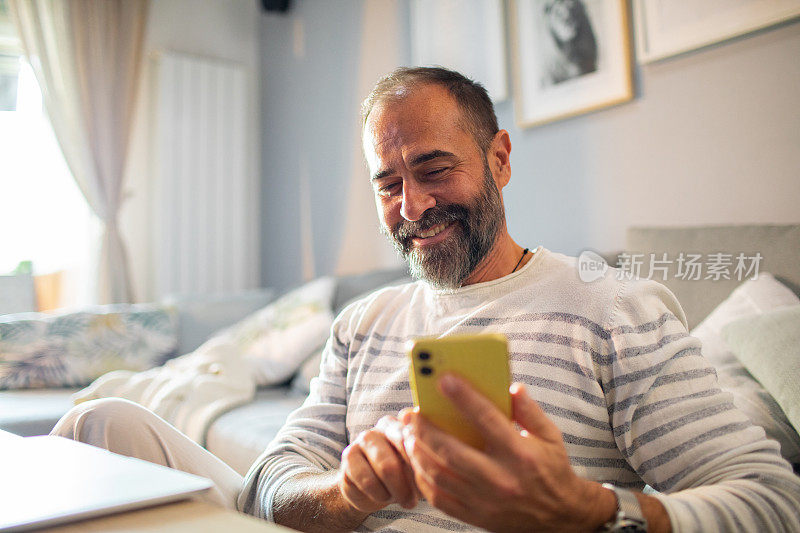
(610, 362)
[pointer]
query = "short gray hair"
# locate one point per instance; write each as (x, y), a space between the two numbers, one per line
(473, 100)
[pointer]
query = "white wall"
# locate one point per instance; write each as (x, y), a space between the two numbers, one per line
(221, 29)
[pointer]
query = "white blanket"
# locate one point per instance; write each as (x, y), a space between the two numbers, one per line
(189, 391)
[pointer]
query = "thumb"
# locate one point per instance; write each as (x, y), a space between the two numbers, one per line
(530, 416)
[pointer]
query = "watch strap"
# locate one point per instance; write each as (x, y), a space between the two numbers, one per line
(629, 517)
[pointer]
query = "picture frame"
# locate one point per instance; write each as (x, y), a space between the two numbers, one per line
(464, 35)
(665, 28)
(570, 57)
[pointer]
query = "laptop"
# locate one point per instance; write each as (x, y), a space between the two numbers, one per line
(45, 481)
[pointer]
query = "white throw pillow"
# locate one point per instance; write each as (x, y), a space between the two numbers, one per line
(752, 298)
(278, 338)
(768, 346)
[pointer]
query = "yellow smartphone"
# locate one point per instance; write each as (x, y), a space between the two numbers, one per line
(480, 359)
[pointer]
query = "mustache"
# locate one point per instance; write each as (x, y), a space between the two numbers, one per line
(404, 230)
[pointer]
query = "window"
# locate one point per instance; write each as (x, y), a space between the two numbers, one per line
(43, 215)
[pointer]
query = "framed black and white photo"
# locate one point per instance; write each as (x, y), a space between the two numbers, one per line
(665, 28)
(570, 57)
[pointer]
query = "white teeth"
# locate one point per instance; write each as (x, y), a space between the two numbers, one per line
(432, 231)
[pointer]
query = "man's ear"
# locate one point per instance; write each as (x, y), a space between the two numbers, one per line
(500, 158)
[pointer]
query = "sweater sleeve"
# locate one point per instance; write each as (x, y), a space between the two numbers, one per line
(314, 435)
(714, 469)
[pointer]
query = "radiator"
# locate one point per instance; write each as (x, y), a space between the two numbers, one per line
(205, 196)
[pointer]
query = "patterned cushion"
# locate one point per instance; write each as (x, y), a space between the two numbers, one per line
(71, 349)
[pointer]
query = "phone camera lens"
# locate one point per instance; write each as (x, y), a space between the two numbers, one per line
(426, 370)
(424, 356)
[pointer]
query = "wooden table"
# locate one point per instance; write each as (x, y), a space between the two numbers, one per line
(188, 516)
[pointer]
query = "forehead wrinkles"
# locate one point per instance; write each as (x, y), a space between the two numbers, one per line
(391, 132)
(379, 136)
(399, 125)
(386, 131)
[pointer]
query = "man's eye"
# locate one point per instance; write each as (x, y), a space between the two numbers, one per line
(435, 172)
(390, 189)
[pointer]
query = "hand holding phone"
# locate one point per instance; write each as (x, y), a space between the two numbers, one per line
(480, 359)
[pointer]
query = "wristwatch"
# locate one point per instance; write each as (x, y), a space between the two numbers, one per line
(629, 517)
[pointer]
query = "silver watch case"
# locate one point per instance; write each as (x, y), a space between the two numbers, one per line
(629, 517)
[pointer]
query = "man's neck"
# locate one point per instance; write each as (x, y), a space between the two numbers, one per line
(502, 260)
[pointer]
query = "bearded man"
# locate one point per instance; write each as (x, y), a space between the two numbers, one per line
(612, 393)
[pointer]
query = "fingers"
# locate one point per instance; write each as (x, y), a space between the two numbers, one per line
(359, 484)
(441, 499)
(440, 487)
(446, 461)
(460, 482)
(496, 429)
(530, 416)
(393, 429)
(485, 487)
(390, 468)
(375, 474)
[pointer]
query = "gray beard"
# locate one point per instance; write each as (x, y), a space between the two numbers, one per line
(446, 265)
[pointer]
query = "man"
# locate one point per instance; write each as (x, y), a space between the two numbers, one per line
(613, 390)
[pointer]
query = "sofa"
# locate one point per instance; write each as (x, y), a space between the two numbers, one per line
(237, 435)
(729, 311)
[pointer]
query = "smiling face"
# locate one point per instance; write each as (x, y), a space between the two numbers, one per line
(436, 192)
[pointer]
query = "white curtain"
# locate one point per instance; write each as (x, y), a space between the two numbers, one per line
(87, 58)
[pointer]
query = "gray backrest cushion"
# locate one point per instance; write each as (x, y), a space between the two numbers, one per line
(349, 287)
(779, 246)
(200, 316)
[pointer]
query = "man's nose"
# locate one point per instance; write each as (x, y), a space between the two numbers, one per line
(416, 200)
